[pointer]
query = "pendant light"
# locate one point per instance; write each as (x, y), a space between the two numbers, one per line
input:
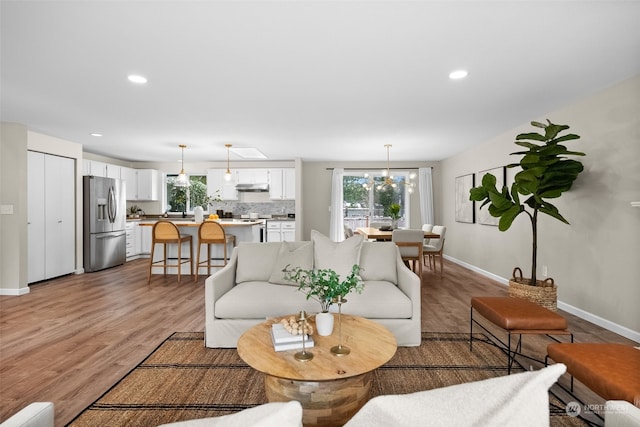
(182, 180)
(386, 173)
(227, 174)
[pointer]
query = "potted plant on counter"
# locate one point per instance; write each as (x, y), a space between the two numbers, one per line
(546, 174)
(325, 286)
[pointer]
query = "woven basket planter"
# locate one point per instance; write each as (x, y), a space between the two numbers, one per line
(545, 293)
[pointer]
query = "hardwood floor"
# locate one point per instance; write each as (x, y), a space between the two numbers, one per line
(72, 338)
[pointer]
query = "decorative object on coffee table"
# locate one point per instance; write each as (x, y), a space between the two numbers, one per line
(340, 350)
(303, 355)
(546, 173)
(324, 286)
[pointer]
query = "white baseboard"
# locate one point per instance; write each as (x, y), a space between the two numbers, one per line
(589, 317)
(15, 291)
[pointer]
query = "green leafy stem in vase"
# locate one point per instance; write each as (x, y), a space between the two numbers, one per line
(324, 285)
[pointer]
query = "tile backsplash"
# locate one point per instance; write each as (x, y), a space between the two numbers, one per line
(281, 207)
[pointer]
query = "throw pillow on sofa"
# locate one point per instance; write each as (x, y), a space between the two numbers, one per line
(338, 256)
(292, 254)
(513, 400)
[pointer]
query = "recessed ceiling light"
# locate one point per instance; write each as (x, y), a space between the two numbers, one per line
(134, 78)
(96, 134)
(458, 74)
(248, 152)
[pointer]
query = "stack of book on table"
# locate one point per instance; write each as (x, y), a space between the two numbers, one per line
(283, 340)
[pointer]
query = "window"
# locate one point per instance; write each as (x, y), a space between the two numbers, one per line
(184, 199)
(368, 197)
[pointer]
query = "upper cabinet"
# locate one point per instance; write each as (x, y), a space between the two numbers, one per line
(282, 184)
(141, 184)
(252, 176)
(145, 184)
(216, 182)
(106, 170)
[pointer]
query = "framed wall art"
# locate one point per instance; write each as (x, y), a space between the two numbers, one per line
(483, 214)
(464, 206)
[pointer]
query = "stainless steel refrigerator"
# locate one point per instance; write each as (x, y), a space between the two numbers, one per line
(105, 219)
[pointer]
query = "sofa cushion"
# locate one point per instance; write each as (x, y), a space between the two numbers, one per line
(261, 299)
(282, 414)
(378, 261)
(338, 256)
(255, 262)
(513, 400)
(378, 300)
(292, 254)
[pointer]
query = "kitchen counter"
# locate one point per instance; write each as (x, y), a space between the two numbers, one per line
(191, 223)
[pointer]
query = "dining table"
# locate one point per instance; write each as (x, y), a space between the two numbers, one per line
(385, 235)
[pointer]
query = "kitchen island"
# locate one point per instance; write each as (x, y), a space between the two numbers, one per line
(244, 230)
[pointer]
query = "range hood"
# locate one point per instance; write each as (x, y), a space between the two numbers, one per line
(252, 188)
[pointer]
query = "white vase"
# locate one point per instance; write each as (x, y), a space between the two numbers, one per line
(198, 214)
(324, 323)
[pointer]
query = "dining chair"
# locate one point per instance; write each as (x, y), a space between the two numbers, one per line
(410, 244)
(167, 233)
(427, 228)
(434, 249)
(212, 233)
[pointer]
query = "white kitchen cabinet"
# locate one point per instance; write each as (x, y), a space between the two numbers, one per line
(133, 239)
(113, 171)
(97, 168)
(147, 184)
(145, 239)
(141, 184)
(252, 176)
(282, 184)
(289, 178)
(281, 231)
(51, 216)
(216, 181)
(130, 177)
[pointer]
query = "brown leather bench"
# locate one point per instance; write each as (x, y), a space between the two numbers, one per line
(610, 370)
(516, 316)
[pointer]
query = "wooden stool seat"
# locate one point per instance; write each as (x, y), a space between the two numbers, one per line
(166, 233)
(610, 370)
(212, 233)
(517, 316)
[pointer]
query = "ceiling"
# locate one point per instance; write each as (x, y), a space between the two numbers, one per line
(316, 80)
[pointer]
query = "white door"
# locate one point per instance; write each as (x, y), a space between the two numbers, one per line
(35, 216)
(59, 200)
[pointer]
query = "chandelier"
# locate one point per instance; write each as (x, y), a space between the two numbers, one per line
(388, 182)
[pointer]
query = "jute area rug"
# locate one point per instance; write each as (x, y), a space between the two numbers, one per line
(183, 380)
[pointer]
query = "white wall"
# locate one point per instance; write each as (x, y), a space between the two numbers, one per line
(595, 260)
(13, 193)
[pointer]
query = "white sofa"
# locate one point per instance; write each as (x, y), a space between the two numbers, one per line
(251, 287)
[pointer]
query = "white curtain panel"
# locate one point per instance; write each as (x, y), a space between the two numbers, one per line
(425, 188)
(336, 225)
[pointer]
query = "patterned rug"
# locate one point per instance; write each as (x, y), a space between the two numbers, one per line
(184, 380)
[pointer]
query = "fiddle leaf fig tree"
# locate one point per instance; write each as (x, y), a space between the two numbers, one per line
(546, 173)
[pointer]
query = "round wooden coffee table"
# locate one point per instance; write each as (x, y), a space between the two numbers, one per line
(330, 388)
